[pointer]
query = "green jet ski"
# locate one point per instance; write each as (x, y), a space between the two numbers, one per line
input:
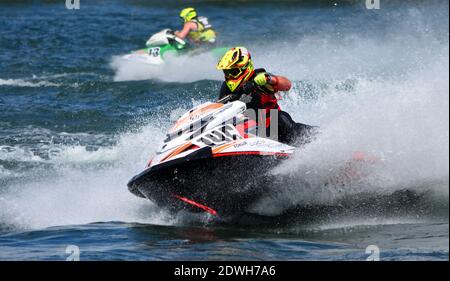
(165, 43)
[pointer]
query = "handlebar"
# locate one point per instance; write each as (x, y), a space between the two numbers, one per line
(225, 99)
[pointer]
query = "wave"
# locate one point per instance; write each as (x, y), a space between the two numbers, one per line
(83, 186)
(175, 69)
(24, 83)
(53, 80)
(401, 122)
(384, 95)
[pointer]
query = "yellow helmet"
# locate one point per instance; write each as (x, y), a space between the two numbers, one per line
(237, 66)
(188, 14)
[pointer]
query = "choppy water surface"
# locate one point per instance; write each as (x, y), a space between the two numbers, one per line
(76, 123)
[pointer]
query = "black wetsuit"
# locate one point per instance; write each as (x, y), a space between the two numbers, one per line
(263, 97)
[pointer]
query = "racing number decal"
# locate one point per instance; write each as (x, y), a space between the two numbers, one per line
(154, 52)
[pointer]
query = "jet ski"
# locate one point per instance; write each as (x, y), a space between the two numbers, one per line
(165, 43)
(213, 160)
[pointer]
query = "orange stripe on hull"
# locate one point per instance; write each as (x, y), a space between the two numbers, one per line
(177, 151)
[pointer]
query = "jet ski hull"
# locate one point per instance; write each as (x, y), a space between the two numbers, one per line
(225, 185)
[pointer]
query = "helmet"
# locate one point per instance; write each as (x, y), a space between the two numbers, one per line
(188, 14)
(237, 67)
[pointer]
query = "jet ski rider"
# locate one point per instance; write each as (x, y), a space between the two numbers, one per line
(196, 28)
(257, 88)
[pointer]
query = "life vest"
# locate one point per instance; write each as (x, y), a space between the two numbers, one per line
(204, 31)
(266, 100)
(263, 96)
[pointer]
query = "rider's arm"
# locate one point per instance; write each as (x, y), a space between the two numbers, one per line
(186, 29)
(280, 83)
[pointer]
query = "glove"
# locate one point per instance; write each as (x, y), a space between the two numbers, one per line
(262, 79)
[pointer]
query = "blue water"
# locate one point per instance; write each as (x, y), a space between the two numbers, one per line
(77, 122)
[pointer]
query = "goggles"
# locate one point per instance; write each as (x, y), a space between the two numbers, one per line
(234, 72)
